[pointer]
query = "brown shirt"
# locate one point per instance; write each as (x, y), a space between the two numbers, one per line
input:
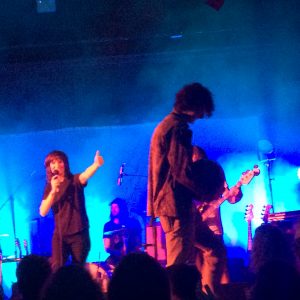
(170, 184)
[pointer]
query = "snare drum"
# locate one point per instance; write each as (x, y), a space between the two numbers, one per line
(101, 273)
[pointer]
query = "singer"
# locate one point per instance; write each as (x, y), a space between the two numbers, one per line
(64, 194)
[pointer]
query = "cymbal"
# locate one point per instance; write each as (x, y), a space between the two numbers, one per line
(121, 230)
(10, 259)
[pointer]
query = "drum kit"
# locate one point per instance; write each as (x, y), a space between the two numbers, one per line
(101, 272)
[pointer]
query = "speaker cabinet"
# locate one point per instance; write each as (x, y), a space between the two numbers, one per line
(156, 242)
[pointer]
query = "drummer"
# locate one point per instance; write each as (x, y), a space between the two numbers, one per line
(122, 234)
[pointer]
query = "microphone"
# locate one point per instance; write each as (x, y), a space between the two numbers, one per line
(121, 174)
(55, 173)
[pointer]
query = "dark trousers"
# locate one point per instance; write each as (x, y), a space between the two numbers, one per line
(75, 245)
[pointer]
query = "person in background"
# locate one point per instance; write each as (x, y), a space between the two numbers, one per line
(211, 258)
(121, 234)
(64, 194)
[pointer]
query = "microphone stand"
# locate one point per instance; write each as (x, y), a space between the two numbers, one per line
(268, 163)
(152, 218)
(134, 175)
(11, 200)
(12, 207)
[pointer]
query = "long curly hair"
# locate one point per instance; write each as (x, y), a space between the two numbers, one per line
(194, 97)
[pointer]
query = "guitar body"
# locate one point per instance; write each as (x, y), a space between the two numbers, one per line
(207, 209)
(266, 212)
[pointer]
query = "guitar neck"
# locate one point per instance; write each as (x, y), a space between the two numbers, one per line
(237, 185)
(249, 246)
(213, 205)
(25, 244)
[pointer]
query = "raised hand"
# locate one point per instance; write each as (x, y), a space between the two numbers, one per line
(98, 159)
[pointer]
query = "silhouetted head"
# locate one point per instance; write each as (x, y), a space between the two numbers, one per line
(276, 280)
(32, 273)
(72, 282)
(184, 281)
(195, 100)
(139, 276)
(270, 243)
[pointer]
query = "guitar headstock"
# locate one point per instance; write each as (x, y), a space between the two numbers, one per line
(266, 212)
(249, 213)
(248, 175)
(25, 244)
(17, 243)
(18, 247)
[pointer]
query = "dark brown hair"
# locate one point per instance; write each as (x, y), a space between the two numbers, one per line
(56, 154)
(194, 97)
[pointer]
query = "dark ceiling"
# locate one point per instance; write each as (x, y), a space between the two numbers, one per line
(112, 27)
(98, 61)
(89, 27)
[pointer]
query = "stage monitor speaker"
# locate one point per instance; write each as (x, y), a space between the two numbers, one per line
(41, 235)
(151, 232)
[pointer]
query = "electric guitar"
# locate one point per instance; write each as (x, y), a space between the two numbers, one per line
(249, 217)
(207, 209)
(18, 247)
(26, 247)
(266, 212)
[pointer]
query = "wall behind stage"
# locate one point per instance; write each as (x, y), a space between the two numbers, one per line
(22, 177)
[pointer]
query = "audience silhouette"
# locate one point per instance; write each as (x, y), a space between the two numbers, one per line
(276, 280)
(72, 282)
(185, 281)
(270, 243)
(139, 276)
(272, 263)
(32, 273)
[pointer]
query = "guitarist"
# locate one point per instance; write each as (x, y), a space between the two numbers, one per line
(211, 258)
